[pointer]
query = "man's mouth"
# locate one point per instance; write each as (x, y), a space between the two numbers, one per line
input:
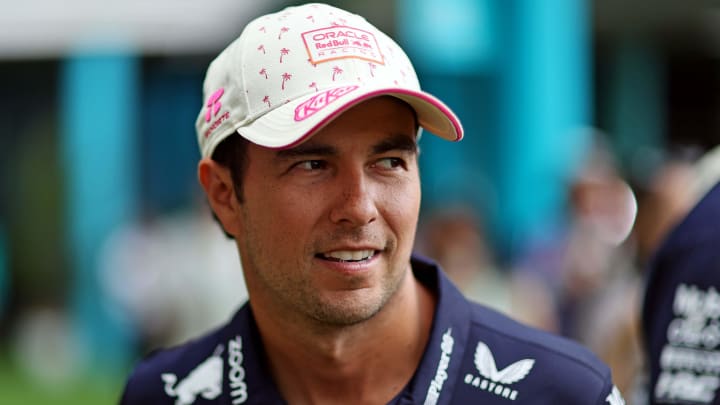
(347, 255)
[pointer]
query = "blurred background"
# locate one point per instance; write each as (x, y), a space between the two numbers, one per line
(584, 119)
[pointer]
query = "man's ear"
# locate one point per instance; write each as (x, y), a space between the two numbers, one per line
(217, 182)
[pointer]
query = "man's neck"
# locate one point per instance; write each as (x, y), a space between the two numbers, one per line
(368, 363)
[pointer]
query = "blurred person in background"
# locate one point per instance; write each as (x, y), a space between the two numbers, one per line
(309, 161)
(603, 210)
(589, 270)
(454, 238)
(600, 299)
(172, 293)
(681, 308)
(663, 201)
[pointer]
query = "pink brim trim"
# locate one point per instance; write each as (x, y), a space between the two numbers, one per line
(385, 92)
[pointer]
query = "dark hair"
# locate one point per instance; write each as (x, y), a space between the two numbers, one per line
(231, 153)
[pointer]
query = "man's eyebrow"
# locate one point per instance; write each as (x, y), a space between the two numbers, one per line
(307, 149)
(397, 142)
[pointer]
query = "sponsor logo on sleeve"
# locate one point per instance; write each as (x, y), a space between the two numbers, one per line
(690, 360)
(204, 380)
(496, 381)
(446, 348)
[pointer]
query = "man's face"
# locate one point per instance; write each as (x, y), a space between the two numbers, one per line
(326, 228)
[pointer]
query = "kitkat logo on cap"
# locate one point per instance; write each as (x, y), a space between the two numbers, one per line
(340, 42)
(320, 101)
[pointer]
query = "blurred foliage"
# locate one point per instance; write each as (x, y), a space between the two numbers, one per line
(17, 388)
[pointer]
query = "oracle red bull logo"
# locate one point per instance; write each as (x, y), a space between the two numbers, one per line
(339, 42)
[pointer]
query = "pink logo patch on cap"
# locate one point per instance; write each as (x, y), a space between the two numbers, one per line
(340, 42)
(213, 104)
(213, 108)
(320, 101)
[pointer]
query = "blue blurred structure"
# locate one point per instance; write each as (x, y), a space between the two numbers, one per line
(169, 149)
(451, 37)
(517, 73)
(637, 104)
(99, 116)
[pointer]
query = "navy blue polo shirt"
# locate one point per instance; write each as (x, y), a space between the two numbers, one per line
(474, 356)
(681, 310)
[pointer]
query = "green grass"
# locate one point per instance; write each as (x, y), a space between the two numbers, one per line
(17, 388)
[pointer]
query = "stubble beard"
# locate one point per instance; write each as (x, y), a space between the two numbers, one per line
(357, 306)
(297, 297)
(301, 299)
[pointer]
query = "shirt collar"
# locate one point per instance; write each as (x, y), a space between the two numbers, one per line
(439, 367)
(434, 376)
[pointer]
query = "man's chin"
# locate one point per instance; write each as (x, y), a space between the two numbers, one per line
(348, 311)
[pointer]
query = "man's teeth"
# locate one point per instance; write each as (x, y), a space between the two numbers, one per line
(350, 255)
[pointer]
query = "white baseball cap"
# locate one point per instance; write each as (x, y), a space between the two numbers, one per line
(290, 73)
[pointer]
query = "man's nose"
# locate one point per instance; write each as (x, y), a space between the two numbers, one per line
(354, 200)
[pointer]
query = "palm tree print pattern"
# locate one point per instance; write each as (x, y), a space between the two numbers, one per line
(336, 71)
(283, 52)
(282, 31)
(287, 54)
(285, 78)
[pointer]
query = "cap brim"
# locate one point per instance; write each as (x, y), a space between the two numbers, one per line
(279, 128)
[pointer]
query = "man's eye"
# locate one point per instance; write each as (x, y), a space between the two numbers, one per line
(312, 165)
(390, 163)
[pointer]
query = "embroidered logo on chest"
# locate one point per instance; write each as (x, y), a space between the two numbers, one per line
(205, 380)
(497, 381)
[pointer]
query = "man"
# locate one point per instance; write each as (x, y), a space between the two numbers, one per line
(321, 193)
(681, 311)
(681, 308)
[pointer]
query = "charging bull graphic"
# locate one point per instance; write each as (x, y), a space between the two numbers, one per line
(205, 380)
